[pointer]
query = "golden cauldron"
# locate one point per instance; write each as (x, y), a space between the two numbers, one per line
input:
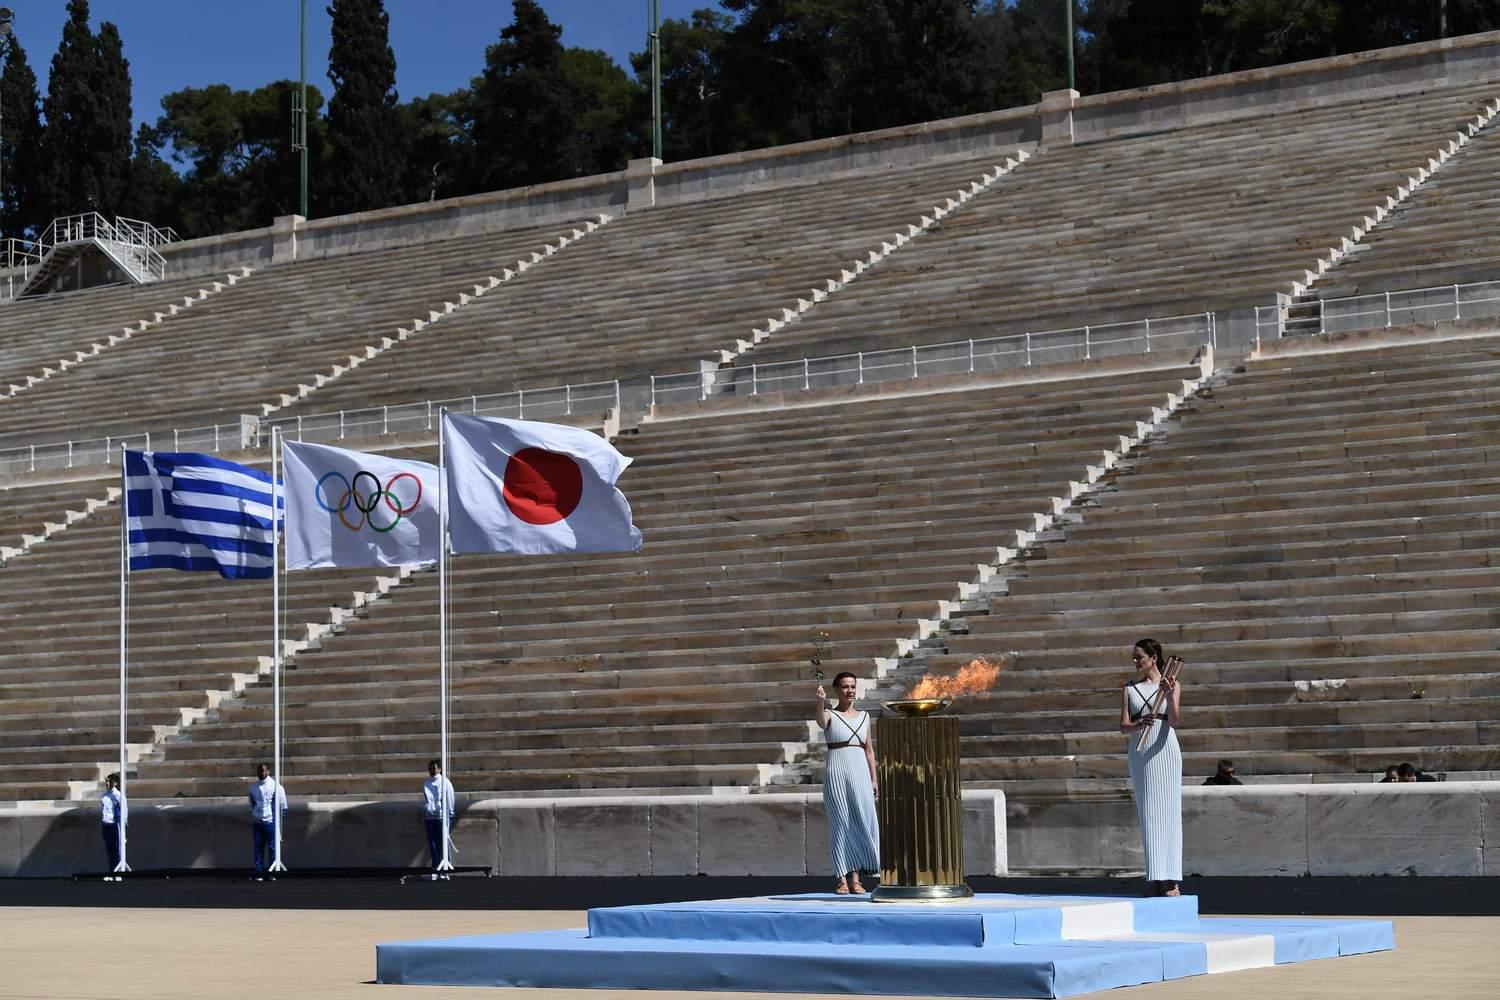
(920, 805)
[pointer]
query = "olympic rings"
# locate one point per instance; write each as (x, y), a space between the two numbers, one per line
(366, 503)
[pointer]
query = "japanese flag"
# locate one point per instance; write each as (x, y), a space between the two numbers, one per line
(533, 488)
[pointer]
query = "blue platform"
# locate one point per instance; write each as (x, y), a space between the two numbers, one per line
(999, 945)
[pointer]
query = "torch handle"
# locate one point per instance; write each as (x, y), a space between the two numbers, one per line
(1173, 668)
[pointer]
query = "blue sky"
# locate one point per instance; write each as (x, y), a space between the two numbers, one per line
(439, 44)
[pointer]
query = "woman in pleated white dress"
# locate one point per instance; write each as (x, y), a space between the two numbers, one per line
(849, 786)
(1156, 768)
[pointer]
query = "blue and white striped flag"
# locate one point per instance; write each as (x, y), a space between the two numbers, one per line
(196, 512)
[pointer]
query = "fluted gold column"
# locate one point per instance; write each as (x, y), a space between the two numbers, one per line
(920, 810)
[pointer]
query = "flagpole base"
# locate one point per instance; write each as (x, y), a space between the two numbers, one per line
(121, 867)
(277, 866)
(444, 866)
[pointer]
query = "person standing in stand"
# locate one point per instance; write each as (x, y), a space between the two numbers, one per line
(113, 816)
(1155, 765)
(849, 786)
(267, 811)
(437, 792)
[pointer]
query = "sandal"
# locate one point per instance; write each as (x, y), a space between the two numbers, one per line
(841, 887)
(1173, 889)
(856, 887)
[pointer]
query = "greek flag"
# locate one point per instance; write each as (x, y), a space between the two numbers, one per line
(196, 512)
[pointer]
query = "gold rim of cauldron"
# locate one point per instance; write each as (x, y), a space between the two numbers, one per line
(918, 707)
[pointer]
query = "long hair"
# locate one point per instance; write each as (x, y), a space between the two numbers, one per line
(1153, 649)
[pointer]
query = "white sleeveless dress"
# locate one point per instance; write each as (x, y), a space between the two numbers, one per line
(849, 798)
(1156, 779)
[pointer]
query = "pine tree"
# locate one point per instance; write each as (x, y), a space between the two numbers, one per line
(20, 108)
(154, 191)
(521, 103)
(111, 132)
(70, 174)
(364, 125)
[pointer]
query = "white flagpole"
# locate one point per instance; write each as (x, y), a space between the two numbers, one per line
(120, 816)
(276, 865)
(446, 864)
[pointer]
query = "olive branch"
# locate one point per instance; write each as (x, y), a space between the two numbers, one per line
(820, 649)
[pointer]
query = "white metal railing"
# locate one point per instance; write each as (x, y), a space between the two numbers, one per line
(251, 432)
(953, 358)
(1434, 304)
(132, 242)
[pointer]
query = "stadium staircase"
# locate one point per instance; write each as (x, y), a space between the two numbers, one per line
(41, 338)
(1310, 529)
(261, 344)
(1315, 535)
(658, 291)
(1439, 234)
(1208, 217)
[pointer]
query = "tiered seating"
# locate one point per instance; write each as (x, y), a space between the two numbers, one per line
(59, 669)
(1200, 218)
(1318, 539)
(247, 345)
(657, 290)
(685, 665)
(36, 333)
(1438, 237)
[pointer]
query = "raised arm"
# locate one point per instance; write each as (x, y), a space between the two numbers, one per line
(820, 713)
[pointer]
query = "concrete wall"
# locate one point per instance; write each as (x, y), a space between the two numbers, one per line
(1067, 118)
(1440, 828)
(655, 835)
(1444, 828)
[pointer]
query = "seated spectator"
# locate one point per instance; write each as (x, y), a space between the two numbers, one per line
(1224, 775)
(1406, 772)
(1391, 774)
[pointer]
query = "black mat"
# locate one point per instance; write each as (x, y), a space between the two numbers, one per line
(471, 890)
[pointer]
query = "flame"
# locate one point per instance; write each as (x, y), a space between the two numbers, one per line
(975, 677)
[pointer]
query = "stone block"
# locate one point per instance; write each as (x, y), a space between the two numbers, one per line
(674, 838)
(602, 839)
(1066, 836)
(378, 834)
(753, 835)
(10, 844)
(985, 849)
(1244, 831)
(476, 840)
(816, 857)
(1489, 815)
(313, 836)
(1421, 829)
(206, 836)
(526, 836)
(151, 838)
(56, 843)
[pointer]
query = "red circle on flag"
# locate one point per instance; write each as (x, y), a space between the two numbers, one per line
(542, 487)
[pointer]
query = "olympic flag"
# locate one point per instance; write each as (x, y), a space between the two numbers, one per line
(350, 508)
(534, 488)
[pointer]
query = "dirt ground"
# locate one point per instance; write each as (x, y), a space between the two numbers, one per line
(70, 953)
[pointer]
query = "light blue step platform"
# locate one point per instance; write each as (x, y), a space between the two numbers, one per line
(994, 945)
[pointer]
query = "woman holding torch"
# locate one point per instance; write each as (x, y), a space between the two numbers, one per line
(1148, 715)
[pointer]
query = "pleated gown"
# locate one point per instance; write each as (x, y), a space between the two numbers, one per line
(849, 798)
(1156, 779)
